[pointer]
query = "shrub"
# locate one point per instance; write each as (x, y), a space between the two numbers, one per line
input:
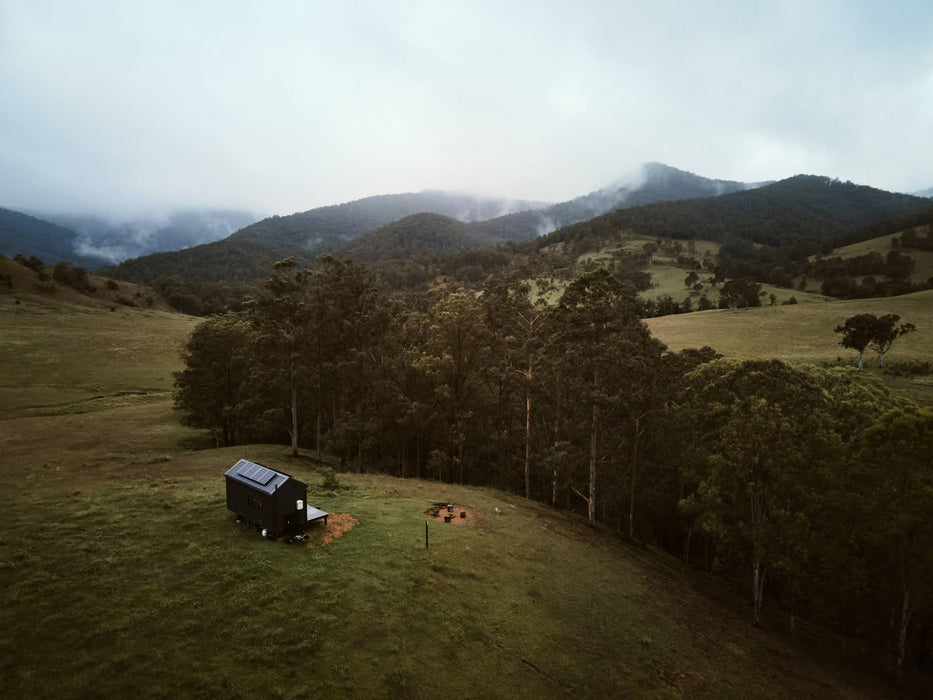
(908, 368)
(329, 480)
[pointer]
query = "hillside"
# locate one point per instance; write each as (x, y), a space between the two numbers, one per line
(63, 283)
(137, 538)
(21, 234)
(797, 333)
(67, 351)
(246, 253)
(804, 210)
(654, 182)
(420, 236)
(114, 240)
(139, 553)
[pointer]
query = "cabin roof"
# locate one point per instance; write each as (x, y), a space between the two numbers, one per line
(256, 476)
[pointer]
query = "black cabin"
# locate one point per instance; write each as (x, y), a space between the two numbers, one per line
(271, 500)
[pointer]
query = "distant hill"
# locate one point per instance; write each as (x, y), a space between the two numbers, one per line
(250, 252)
(118, 240)
(247, 253)
(654, 182)
(45, 287)
(805, 210)
(27, 235)
(928, 193)
(416, 236)
(326, 229)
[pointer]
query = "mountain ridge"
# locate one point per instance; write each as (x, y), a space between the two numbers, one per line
(333, 228)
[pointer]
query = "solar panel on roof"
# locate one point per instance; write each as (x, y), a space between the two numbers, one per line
(257, 473)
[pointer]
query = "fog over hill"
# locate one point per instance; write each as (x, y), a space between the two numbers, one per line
(305, 235)
(652, 182)
(116, 239)
(21, 234)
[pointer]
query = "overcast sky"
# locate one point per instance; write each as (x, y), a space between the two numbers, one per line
(279, 106)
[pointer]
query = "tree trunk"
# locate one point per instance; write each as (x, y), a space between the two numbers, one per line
(294, 430)
(591, 505)
(631, 495)
(758, 587)
(528, 436)
(906, 612)
(317, 432)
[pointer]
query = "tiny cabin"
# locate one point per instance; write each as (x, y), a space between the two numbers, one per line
(268, 499)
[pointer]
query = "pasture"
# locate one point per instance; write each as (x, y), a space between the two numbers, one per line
(125, 575)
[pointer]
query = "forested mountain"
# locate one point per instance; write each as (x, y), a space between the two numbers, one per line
(21, 234)
(416, 236)
(117, 240)
(655, 182)
(803, 211)
(305, 235)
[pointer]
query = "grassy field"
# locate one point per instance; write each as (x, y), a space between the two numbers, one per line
(124, 574)
(923, 259)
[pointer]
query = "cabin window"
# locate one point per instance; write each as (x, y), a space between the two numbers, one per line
(254, 502)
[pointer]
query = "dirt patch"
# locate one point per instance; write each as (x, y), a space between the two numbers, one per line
(453, 514)
(338, 524)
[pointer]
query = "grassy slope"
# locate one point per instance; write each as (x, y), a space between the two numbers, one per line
(69, 353)
(128, 577)
(797, 333)
(923, 259)
(124, 574)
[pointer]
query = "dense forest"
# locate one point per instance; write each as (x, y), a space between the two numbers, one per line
(810, 488)
(805, 212)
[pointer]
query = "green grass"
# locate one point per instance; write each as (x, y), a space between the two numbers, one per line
(66, 358)
(124, 574)
(145, 586)
(923, 259)
(797, 333)
(803, 333)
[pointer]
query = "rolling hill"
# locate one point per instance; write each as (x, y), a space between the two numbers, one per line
(115, 240)
(141, 579)
(419, 236)
(305, 235)
(805, 210)
(138, 577)
(21, 234)
(654, 182)
(249, 253)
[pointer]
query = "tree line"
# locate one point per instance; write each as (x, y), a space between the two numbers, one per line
(810, 488)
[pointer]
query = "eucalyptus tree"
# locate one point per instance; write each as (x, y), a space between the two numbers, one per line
(280, 317)
(211, 389)
(350, 314)
(886, 332)
(599, 344)
(516, 319)
(453, 352)
(857, 333)
(864, 331)
(897, 470)
(762, 452)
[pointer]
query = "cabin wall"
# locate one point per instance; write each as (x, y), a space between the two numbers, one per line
(276, 512)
